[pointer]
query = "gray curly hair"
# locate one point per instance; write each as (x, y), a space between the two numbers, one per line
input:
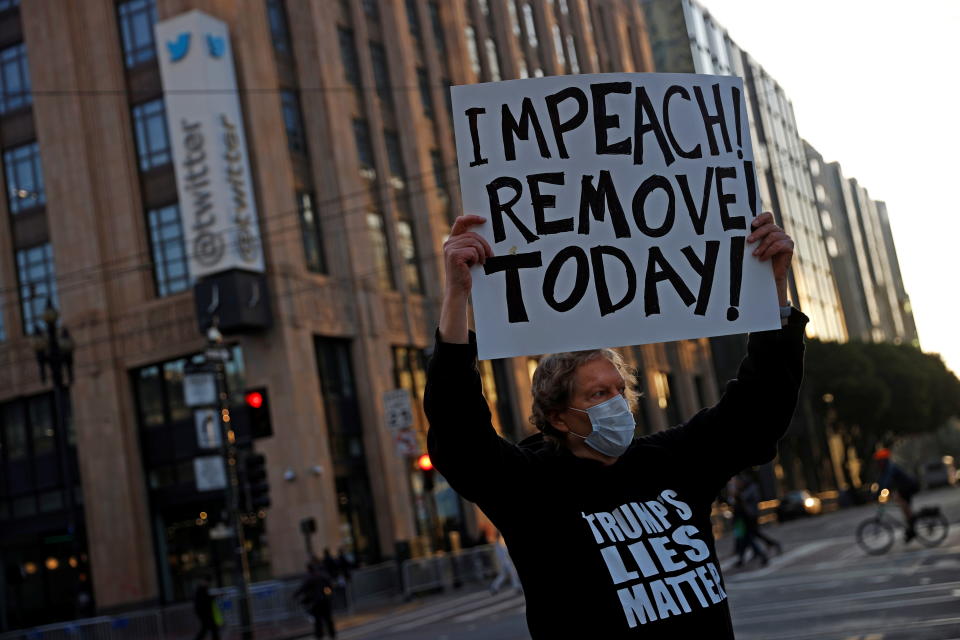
(553, 380)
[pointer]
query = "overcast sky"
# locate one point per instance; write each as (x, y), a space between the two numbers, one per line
(874, 86)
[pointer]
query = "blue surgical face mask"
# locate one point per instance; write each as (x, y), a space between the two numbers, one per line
(613, 426)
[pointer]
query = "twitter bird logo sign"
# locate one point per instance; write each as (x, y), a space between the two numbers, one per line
(206, 130)
(216, 45)
(178, 48)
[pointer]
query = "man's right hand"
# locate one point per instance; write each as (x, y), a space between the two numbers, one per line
(462, 250)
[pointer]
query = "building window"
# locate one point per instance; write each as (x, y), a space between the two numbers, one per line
(170, 271)
(439, 175)
(423, 82)
(150, 126)
(514, 23)
(437, 26)
(3, 330)
(137, 18)
(398, 175)
(472, 49)
(279, 26)
(293, 121)
(14, 78)
(447, 85)
(361, 137)
(381, 252)
(558, 46)
(832, 249)
(413, 20)
(6, 5)
(410, 373)
(36, 277)
(493, 59)
(311, 233)
(530, 25)
(29, 470)
(341, 402)
(572, 53)
(407, 247)
(381, 74)
(24, 177)
(348, 53)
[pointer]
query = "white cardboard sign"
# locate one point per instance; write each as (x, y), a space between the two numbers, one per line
(617, 206)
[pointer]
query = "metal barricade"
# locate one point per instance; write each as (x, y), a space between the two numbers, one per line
(423, 574)
(141, 625)
(373, 583)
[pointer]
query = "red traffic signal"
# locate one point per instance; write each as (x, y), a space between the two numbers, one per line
(424, 464)
(257, 402)
(254, 399)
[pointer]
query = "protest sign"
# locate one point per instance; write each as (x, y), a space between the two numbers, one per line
(617, 206)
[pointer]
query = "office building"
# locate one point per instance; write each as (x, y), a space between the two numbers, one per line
(343, 162)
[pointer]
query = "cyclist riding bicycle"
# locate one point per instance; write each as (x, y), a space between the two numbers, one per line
(902, 484)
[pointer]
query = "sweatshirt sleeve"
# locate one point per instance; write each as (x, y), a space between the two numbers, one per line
(463, 445)
(743, 428)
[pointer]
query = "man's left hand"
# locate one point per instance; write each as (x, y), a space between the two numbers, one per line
(775, 244)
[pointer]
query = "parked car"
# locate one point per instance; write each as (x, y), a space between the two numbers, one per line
(941, 473)
(797, 504)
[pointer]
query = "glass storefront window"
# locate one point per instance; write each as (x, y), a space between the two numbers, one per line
(41, 425)
(14, 431)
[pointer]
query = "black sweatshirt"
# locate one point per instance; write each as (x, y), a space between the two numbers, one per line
(619, 551)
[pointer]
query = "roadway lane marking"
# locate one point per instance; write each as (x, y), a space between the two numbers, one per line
(865, 595)
(447, 614)
(857, 608)
(494, 608)
(780, 560)
(888, 628)
(458, 604)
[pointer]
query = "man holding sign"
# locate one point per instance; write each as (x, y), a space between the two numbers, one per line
(610, 535)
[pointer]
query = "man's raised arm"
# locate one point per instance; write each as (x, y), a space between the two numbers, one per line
(462, 442)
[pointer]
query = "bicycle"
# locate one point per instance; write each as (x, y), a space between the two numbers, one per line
(876, 534)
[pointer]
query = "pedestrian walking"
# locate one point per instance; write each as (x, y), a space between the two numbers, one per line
(505, 569)
(331, 564)
(750, 489)
(344, 566)
(610, 535)
(744, 534)
(207, 611)
(315, 595)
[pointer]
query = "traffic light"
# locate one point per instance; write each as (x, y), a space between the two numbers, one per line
(258, 489)
(426, 471)
(258, 412)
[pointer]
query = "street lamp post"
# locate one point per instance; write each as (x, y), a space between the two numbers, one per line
(55, 352)
(231, 460)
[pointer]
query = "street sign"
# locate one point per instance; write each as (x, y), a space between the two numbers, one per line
(200, 389)
(210, 473)
(217, 354)
(406, 441)
(207, 423)
(397, 410)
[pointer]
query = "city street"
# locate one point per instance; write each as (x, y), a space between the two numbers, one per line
(821, 586)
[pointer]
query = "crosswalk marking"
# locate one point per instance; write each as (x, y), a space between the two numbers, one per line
(495, 608)
(446, 613)
(418, 612)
